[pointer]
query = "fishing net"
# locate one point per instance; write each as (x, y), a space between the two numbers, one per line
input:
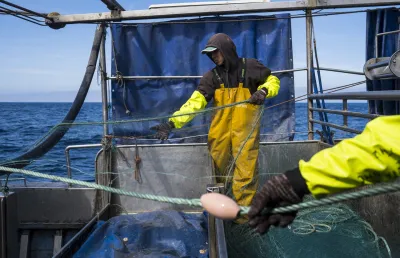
(332, 231)
(153, 229)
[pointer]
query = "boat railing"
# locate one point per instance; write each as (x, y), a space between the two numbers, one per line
(390, 95)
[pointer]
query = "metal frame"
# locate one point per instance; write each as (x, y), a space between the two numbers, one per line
(14, 179)
(343, 128)
(217, 243)
(310, 57)
(204, 10)
(8, 225)
(345, 113)
(382, 34)
(103, 71)
(113, 5)
(68, 148)
(206, 3)
(184, 10)
(199, 76)
(118, 13)
(191, 76)
(369, 95)
(70, 247)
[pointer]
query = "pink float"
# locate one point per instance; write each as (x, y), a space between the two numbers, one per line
(220, 206)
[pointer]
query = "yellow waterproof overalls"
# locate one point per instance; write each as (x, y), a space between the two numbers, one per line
(230, 127)
(229, 130)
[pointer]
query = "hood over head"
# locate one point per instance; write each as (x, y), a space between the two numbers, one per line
(225, 44)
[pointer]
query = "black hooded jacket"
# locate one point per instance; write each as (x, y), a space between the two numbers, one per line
(230, 71)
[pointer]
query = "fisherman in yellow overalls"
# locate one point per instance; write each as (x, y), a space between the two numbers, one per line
(233, 80)
(371, 157)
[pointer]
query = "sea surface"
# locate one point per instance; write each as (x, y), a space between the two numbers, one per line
(23, 124)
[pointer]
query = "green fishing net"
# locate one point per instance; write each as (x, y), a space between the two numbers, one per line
(333, 231)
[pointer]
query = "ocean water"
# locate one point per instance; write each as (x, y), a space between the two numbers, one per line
(23, 124)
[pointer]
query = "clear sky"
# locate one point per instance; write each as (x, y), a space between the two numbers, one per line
(42, 64)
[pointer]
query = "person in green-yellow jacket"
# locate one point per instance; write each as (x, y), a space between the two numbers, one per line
(371, 157)
(232, 80)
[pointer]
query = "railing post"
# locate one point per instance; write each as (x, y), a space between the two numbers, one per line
(103, 72)
(309, 75)
(345, 109)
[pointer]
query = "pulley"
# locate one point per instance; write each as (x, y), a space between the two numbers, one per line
(383, 68)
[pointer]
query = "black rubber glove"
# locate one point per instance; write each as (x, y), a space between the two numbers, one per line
(163, 130)
(258, 97)
(282, 190)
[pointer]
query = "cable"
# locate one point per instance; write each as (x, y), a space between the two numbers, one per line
(299, 98)
(26, 10)
(245, 20)
(40, 149)
(22, 14)
(29, 19)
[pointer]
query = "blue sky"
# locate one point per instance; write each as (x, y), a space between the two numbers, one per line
(42, 64)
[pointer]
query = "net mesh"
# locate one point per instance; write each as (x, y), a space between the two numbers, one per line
(333, 231)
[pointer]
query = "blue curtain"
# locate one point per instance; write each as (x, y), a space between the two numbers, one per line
(173, 49)
(378, 21)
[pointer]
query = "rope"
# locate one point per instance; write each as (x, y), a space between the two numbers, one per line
(233, 164)
(380, 189)
(141, 119)
(296, 99)
(299, 98)
(191, 202)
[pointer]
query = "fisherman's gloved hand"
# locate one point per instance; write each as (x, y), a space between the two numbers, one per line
(277, 191)
(258, 97)
(163, 130)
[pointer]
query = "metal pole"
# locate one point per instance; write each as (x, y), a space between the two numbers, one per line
(343, 128)
(382, 34)
(67, 156)
(347, 113)
(388, 32)
(211, 10)
(104, 198)
(341, 71)
(345, 109)
(365, 95)
(188, 76)
(104, 82)
(309, 75)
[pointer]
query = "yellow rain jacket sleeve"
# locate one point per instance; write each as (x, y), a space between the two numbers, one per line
(371, 157)
(195, 103)
(272, 84)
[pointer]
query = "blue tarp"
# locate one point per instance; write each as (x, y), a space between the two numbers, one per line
(174, 49)
(378, 21)
(154, 234)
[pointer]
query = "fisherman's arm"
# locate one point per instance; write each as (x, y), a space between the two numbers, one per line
(371, 157)
(268, 85)
(198, 101)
